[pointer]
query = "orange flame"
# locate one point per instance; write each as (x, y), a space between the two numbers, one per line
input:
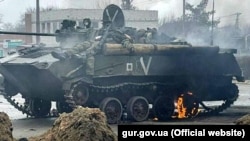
(186, 105)
(180, 107)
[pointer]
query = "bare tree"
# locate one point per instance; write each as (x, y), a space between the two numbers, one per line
(8, 27)
(198, 16)
(127, 5)
(197, 24)
(20, 26)
(103, 3)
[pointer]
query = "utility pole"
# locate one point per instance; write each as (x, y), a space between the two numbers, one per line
(237, 21)
(37, 21)
(236, 26)
(183, 18)
(212, 30)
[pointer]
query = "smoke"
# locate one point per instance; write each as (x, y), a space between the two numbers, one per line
(225, 9)
(168, 9)
(226, 12)
(165, 9)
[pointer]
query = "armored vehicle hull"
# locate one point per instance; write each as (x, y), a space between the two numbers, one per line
(136, 82)
(125, 81)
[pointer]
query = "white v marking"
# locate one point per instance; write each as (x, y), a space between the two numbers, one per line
(145, 69)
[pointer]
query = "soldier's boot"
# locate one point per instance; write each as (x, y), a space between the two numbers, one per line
(59, 55)
(127, 44)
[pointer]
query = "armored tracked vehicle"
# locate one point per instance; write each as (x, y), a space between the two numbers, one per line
(147, 80)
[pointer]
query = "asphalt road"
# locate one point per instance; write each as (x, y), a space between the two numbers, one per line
(27, 127)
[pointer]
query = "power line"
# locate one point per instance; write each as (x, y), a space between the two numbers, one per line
(225, 16)
(236, 20)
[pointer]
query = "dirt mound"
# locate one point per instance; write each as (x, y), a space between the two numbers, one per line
(88, 124)
(245, 120)
(5, 128)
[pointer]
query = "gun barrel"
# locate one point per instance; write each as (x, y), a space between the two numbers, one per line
(27, 33)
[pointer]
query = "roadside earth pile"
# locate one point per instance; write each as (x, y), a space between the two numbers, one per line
(83, 124)
(5, 128)
(245, 120)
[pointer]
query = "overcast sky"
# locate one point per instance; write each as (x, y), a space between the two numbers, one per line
(12, 9)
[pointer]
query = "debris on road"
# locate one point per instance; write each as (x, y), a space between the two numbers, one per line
(6, 128)
(88, 124)
(245, 120)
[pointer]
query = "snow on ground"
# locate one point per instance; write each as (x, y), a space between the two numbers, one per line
(11, 110)
(243, 100)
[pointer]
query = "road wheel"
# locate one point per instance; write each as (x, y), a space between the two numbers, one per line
(63, 107)
(80, 94)
(112, 107)
(39, 107)
(163, 107)
(138, 108)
